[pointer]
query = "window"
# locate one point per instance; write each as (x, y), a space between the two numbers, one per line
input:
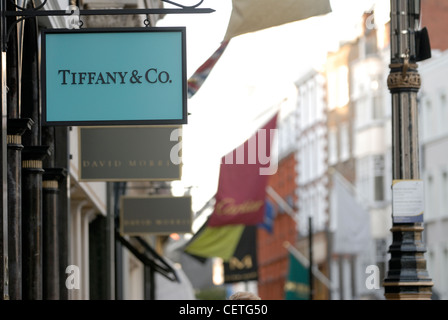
(443, 111)
(444, 192)
(313, 158)
(343, 92)
(320, 155)
(332, 146)
(371, 43)
(361, 112)
(303, 108)
(378, 162)
(444, 284)
(362, 174)
(429, 203)
(345, 142)
(332, 90)
(311, 103)
(377, 107)
(320, 209)
(301, 157)
(306, 163)
(338, 88)
(429, 119)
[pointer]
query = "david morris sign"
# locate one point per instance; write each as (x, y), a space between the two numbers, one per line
(130, 153)
(155, 215)
(114, 76)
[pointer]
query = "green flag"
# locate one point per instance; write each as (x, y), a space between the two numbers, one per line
(297, 285)
(215, 242)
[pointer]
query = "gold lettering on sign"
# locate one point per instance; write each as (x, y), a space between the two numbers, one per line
(148, 163)
(227, 206)
(300, 289)
(128, 163)
(159, 222)
(101, 163)
(240, 277)
(245, 263)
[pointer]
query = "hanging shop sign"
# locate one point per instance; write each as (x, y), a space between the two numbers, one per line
(110, 76)
(130, 153)
(243, 265)
(155, 215)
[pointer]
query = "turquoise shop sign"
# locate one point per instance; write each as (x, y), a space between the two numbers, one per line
(114, 76)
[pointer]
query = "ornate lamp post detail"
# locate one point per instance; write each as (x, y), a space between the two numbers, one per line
(407, 277)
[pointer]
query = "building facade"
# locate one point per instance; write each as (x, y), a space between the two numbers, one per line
(340, 115)
(434, 165)
(312, 179)
(272, 254)
(373, 142)
(62, 232)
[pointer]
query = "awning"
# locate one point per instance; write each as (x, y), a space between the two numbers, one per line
(148, 256)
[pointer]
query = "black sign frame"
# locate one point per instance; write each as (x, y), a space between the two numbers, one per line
(83, 177)
(159, 223)
(43, 90)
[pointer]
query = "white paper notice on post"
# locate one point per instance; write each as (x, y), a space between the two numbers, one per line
(407, 201)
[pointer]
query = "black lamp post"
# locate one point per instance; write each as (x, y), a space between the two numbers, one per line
(407, 277)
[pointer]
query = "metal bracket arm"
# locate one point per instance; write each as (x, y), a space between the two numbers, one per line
(32, 13)
(35, 12)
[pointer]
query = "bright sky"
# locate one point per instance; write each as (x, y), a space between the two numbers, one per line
(256, 72)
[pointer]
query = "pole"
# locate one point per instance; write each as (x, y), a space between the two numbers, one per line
(16, 128)
(62, 159)
(110, 243)
(50, 241)
(53, 178)
(4, 278)
(407, 278)
(149, 288)
(310, 248)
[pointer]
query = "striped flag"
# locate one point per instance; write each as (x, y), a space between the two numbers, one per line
(201, 74)
(254, 15)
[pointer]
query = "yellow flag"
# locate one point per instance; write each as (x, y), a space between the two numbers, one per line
(253, 15)
(216, 242)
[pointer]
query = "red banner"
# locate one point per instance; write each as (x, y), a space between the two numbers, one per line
(243, 176)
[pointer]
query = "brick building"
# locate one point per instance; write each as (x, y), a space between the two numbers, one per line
(434, 13)
(272, 255)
